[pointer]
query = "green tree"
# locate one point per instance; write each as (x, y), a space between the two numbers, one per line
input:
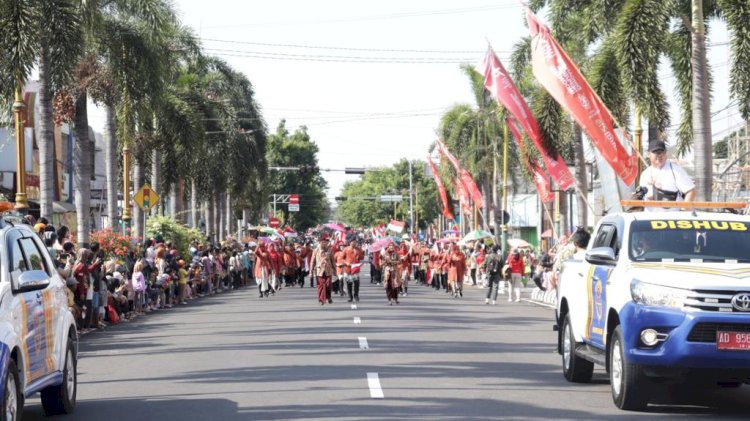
(362, 206)
(298, 150)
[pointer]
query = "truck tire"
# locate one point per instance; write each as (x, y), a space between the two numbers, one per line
(575, 368)
(630, 387)
(13, 396)
(61, 399)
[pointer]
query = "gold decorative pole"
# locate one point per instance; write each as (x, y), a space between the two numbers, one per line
(126, 183)
(18, 109)
(638, 138)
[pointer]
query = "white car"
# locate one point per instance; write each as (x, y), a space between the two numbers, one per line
(38, 336)
(658, 298)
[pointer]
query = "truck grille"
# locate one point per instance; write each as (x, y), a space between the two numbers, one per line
(706, 332)
(711, 300)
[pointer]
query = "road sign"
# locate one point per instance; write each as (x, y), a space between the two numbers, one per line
(293, 207)
(294, 199)
(391, 198)
(146, 198)
(274, 222)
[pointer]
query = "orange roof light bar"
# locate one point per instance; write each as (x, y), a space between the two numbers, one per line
(683, 205)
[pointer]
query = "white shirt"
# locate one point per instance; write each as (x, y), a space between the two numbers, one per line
(670, 177)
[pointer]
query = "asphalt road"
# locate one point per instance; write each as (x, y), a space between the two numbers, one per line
(236, 357)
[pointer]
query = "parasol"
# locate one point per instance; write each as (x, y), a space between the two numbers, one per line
(519, 243)
(476, 235)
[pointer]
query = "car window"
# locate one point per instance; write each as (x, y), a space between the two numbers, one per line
(15, 256)
(34, 259)
(603, 237)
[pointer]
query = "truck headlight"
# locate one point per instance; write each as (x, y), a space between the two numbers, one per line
(657, 295)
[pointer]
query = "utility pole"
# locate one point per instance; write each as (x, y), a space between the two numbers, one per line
(411, 200)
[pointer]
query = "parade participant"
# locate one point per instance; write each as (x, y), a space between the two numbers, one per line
(515, 262)
(492, 265)
(390, 262)
(341, 269)
(290, 266)
(275, 263)
(308, 251)
(445, 258)
(404, 268)
(414, 258)
(456, 271)
(352, 256)
(435, 267)
(424, 263)
(322, 267)
(375, 268)
(262, 270)
(665, 180)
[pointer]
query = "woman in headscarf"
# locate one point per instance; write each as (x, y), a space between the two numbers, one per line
(275, 263)
(262, 269)
(390, 262)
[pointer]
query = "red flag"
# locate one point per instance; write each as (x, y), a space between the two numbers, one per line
(540, 181)
(563, 80)
(441, 189)
(463, 196)
(468, 182)
(501, 86)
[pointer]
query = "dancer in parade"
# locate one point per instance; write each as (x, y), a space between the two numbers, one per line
(390, 262)
(322, 266)
(456, 271)
(353, 255)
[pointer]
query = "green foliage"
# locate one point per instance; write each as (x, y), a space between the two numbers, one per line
(178, 234)
(297, 150)
(737, 15)
(362, 208)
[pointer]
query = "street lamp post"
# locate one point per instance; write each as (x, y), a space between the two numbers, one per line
(126, 184)
(411, 201)
(18, 109)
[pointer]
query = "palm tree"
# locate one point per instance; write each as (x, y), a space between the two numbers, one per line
(48, 34)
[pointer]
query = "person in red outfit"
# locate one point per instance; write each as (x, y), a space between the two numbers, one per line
(515, 262)
(390, 262)
(456, 271)
(353, 255)
(275, 262)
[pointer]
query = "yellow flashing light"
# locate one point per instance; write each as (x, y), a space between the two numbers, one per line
(684, 205)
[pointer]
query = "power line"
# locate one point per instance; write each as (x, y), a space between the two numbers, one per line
(338, 58)
(377, 17)
(380, 50)
(333, 60)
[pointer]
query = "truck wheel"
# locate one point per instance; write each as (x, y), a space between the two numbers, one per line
(12, 401)
(575, 368)
(629, 384)
(61, 399)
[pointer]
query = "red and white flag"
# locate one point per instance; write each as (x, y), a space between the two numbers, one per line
(396, 226)
(564, 81)
(506, 93)
(468, 182)
(441, 189)
(540, 181)
(463, 197)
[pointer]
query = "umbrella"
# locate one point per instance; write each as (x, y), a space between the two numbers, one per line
(451, 232)
(519, 243)
(252, 244)
(380, 245)
(476, 235)
(448, 240)
(264, 239)
(335, 227)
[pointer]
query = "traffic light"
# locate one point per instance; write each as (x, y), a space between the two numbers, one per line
(308, 169)
(340, 198)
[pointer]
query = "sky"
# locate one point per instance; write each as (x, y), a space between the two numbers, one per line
(370, 80)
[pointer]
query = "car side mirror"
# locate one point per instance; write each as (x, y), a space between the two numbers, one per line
(32, 280)
(601, 256)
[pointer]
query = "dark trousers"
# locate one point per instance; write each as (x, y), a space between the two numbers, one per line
(494, 286)
(444, 281)
(352, 287)
(474, 276)
(390, 291)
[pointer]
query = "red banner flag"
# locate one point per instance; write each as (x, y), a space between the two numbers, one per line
(441, 189)
(468, 182)
(463, 196)
(501, 86)
(540, 181)
(564, 81)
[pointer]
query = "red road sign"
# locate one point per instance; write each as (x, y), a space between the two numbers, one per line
(294, 199)
(274, 222)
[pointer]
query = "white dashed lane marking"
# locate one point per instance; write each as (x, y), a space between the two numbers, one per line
(357, 321)
(354, 306)
(373, 381)
(363, 343)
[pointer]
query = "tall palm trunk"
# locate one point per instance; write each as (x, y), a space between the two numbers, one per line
(47, 139)
(156, 178)
(209, 218)
(174, 200)
(193, 204)
(110, 163)
(228, 211)
(701, 107)
(486, 203)
(82, 164)
(220, 216)
(582, 182)
(215, 199)
(139, 178)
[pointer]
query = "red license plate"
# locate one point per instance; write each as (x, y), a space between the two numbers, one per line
(733, 341)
